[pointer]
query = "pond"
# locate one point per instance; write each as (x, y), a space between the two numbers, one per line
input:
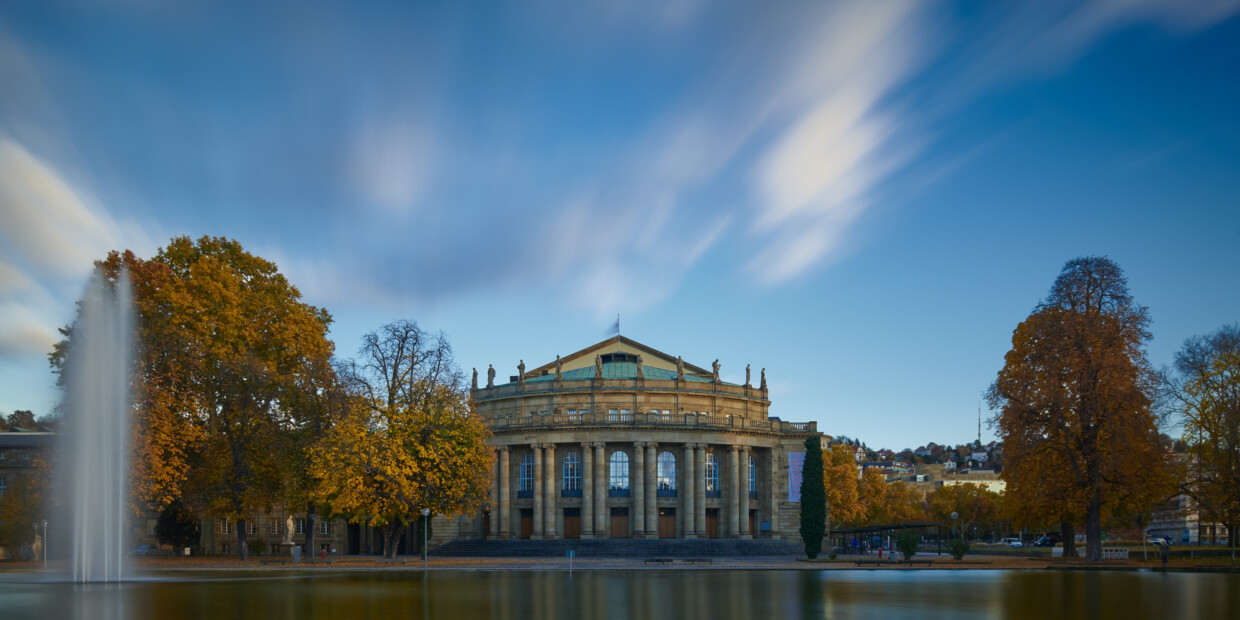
(680, 594)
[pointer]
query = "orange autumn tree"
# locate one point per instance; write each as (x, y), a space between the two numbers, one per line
(408, 439)
(839, 473)
(1074, 399)
(223, 339)
(973, 504)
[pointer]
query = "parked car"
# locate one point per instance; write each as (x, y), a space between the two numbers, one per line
(1016, 543)
(1045, 541)
(1158, 540)
(144, 550)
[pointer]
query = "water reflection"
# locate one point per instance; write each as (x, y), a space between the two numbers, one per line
(688, 595)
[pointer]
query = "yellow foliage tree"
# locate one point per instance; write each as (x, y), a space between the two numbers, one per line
(839, 472)
(408, 439)
(973, 505)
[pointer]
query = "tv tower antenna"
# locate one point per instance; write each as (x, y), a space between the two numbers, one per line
(979, 423)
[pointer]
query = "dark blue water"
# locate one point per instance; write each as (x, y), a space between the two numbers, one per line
(680, 594)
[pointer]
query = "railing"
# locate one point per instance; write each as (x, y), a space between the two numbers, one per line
(666, 492)
(570, 492)
(618, 492)
(651, 419)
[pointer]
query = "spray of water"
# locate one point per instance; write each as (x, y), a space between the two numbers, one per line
(96, 429)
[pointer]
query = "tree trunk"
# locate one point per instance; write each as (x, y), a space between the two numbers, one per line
(206, 536)
(391, 539)
(1093, 527)
(310, 531)
(1068, 532)
(241, 542)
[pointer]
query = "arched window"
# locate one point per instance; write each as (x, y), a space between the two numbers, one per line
(572, 472)
(526, 474)
(753, 477)
(667, 474)
(619, 473)
(712, 475)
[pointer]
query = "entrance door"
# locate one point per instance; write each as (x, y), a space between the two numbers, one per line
(527, 523)
(353, 540)
(667, 523)
(753, 514)
(572, 523)
(712, 523)
(486, 525)
(619, 522)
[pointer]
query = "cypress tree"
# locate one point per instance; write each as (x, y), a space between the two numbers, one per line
(813, 498)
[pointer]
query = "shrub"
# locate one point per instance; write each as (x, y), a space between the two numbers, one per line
(958, 547)
(257, 546)
(906, 543)
(813, 498)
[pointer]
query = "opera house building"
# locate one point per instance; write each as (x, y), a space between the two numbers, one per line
(619, 440)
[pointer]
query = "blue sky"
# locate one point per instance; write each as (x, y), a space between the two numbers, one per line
(863, 198)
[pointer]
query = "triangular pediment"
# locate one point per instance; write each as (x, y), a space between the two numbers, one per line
(617, 344)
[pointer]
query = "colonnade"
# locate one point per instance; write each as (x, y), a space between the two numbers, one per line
(643, 499)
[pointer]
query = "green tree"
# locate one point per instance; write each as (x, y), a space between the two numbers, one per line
(407, 439)
(973, 504)
(1075, 391)
(177, 526)
(907, 541)
(1207, 392)
(813, 498)
(21, 418)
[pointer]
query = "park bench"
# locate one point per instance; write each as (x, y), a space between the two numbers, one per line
(912, 562)
(275, 561)
(388, 561)
(661, 561)
(697, 560)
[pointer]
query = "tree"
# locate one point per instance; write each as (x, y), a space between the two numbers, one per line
(839, 473)
(21, 419)
(223, 339)
(1206, 391)
(813, 498)
(1074, 401)
(407, 439)
(907, 542)
(973, 504)
(177, 526)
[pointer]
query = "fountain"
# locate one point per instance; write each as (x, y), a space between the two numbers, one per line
(96, 429)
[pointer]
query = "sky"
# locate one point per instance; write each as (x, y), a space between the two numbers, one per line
(863, 198)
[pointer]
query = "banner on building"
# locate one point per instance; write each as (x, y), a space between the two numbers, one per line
(796, 462)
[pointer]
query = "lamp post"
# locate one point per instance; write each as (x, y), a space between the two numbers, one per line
(426, 513)
(955, 516)
(45, 544)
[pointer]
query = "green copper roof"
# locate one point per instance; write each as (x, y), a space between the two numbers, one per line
(620, 370)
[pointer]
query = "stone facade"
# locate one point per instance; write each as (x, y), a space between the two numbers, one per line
(619, 440)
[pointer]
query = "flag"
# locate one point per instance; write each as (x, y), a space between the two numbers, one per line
(615, 328)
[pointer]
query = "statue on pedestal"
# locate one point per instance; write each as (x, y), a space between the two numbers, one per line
(490, 376)
(475, 383)
(558, 369)
(680, 368)
(598, 367)
(715, 365)
(521, 372)
(763, 379)
(640, 374)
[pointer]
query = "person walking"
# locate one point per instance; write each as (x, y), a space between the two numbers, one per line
(1162, 550)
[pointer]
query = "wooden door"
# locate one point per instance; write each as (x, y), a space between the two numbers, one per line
(712, 523)
(752, 515)
(667, 523)
(527, 523)
(619, 522)
(572, 523)
(486, 525)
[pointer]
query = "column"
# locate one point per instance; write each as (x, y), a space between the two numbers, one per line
(549, 505)
(600, 490)
(776, 456)
(699, 490)
(688, 494)
(744, 479)
(734, 493)
(495, 496)
(505, 510)
(652, 484)
(637, 479)
(587, 491)
(538, 491)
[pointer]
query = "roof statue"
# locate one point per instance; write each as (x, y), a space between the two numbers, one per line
(521, 372)
(763, 379)
(490, 376)
(680, 368)
(640, 361)
(747, 383)
(475, 383)
(559, 369)
(715, 365)
(598, 367)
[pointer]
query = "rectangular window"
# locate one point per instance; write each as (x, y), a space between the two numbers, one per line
(226, 526)
(25, 456)
(301, 526)
(1, 455)
(225, 548)
(325, 527)
(273, 526)
(150, 526)
(251, 526)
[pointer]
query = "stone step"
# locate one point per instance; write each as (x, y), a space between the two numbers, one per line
(717, 547)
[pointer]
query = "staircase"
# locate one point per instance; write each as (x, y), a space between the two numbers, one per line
(715, 547)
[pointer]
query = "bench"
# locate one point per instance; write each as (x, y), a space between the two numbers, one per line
(912, 562)
(872, 562)
(388, 561)
(279, 561)
(697, 560)
(660, 561)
